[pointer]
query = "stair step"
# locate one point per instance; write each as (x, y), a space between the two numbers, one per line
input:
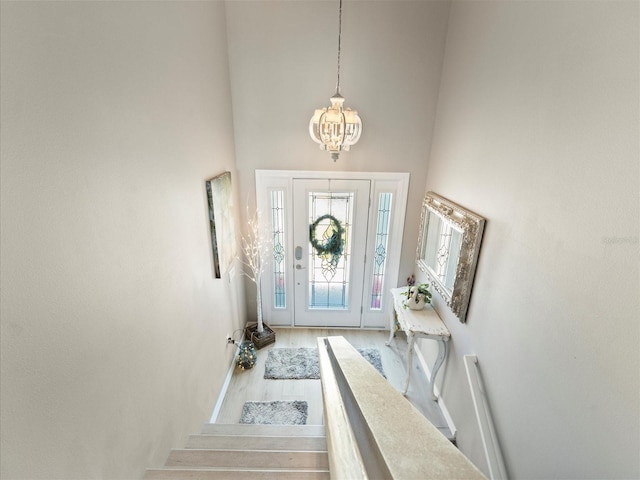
(240, 474)
(269, 460)
(264, 442)
(271, 430)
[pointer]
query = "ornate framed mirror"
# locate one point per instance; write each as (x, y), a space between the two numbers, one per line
(448, 247)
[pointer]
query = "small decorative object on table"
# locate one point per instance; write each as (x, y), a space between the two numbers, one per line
(246, 355)
(417, 296)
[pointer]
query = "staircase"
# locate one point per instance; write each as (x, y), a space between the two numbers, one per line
(238, 451)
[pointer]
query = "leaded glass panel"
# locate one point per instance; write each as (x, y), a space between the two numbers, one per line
(330, 220)
(278, 260)
(380, 250)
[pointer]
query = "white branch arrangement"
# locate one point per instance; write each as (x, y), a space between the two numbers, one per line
(255, 250)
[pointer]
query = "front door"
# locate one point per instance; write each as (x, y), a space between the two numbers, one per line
(329, 239)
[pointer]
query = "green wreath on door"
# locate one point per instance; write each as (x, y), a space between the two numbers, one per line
(333, 247)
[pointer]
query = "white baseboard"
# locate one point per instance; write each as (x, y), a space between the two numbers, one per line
(225, 387)
(443, 407)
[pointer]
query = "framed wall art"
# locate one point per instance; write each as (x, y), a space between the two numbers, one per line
(221, 222)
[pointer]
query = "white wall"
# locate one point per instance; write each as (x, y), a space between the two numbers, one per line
(282, 58)
(537, 130)
(113, 329)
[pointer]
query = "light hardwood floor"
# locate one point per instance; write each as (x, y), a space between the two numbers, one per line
(249, 385)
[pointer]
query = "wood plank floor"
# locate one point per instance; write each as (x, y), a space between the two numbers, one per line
(249, 385)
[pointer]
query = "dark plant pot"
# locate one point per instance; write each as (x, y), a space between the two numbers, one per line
(260, 340)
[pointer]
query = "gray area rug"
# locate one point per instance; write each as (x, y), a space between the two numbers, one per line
(275, 413)
(302, 363)
(372, 355)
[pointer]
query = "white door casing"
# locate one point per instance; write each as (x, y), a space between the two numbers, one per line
(283, 302)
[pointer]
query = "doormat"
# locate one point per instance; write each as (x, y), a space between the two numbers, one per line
(302, 363)
(275, 413)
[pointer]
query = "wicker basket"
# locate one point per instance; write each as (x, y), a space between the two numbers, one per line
(267, 337)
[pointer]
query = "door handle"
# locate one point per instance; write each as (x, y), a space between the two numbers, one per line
(299, 267)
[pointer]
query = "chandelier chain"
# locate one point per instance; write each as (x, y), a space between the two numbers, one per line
(339, 43)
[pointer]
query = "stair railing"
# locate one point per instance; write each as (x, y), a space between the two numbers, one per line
(373, 431)
(344, 456)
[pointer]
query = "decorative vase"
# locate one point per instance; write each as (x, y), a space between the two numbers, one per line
(415, 300)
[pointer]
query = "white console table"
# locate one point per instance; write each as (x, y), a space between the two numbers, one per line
(419, 323)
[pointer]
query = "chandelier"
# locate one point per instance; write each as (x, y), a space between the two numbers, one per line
(336, 128)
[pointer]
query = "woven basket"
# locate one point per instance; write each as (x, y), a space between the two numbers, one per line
(267, 337)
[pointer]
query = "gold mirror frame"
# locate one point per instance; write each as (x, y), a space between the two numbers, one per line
(471, 227)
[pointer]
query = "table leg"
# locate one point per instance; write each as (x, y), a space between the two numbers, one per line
(392, 329)
(411, 340)
(443, 350)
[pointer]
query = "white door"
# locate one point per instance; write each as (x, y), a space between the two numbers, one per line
(329, 239)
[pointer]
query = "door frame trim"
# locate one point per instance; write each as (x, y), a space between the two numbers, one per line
(283, 179)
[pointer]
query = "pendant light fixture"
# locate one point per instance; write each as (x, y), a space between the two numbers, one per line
(336, 128)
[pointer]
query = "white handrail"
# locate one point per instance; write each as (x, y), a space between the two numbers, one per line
(384, 436)
(492, 452)
(345, 460)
